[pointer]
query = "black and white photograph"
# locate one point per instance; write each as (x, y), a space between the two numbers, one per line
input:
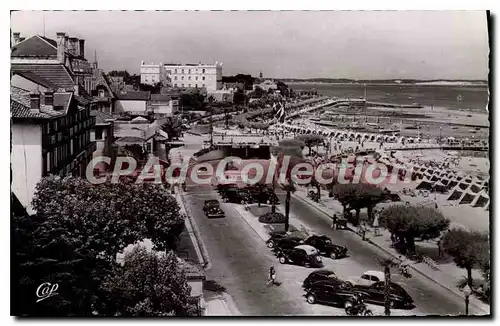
(329, 163)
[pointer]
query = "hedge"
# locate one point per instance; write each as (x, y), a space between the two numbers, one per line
(272, 218)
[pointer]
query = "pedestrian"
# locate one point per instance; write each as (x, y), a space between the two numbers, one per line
(334, 222)
(272, 276)
(440, 248)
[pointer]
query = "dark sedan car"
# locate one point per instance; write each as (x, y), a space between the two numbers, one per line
(375, 294)
(326, 247)
(266, 196)
(212, 208)
(238, 196)
(320, 275)
(283, 241)
(331, 293)
(304, 255)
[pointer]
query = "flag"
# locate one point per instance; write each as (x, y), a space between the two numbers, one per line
(280, 114)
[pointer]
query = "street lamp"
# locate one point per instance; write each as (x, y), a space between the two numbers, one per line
(467, 292)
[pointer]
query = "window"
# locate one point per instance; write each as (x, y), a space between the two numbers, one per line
(175, 71)
(189, 78)
(182, 70)
(189, 85)
(98, 133)
(101, 93)
(196, 78)
(175, 85)
(182, 85)
(47, 169)
(203, 85)
(182, 77)
(365, 277)
(175, 77)
(203, 78)
(189, 71)
(203, 70)
(375, 279)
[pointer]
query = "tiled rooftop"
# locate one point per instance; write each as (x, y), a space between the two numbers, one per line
(20, 105)
(101, 117)
(55, 73)
(35, 46)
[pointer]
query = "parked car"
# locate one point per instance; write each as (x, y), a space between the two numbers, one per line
(239, 196)
(222, 187)
(283, 240)
(375, 294)
(211, 208)
(367, 278)
(320, 275)
(331, 293)
(266, 196)
(304, 255)
(326, 247)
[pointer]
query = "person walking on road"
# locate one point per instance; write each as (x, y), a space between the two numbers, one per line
(334, 222)
(272, 276)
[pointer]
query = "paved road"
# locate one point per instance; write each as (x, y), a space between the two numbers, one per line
(429, 297)
(240, 262)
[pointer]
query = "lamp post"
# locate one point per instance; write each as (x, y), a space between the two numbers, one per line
(467, 292)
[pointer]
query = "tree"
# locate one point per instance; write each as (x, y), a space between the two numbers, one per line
(311, 140)
(469, 249)
(172, 127)
(387, 264)
(410, 222)
(75, 236)
(357, 196)
(149, 284)
(259, 92)
(293, 149)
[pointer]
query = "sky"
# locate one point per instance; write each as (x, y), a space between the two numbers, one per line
(281, 44)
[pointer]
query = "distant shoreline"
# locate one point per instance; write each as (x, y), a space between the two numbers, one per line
(437, 83)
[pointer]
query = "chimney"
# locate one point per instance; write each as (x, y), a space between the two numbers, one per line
(66, 43)
(60, 46)
(82, 48)
(49, 97)
(35, 101)
(73, 45)
(16, 37)
(21, 39)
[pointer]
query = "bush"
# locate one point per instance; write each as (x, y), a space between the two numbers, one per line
(272, 218)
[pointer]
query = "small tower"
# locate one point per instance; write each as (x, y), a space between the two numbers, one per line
(261, 75)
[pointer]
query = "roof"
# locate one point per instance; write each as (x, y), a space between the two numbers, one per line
(20, 105)
(35, 46)
(101, 117)
(310, 250)
(160, 97)
(57, 74)
(130, 141)
(135, 95)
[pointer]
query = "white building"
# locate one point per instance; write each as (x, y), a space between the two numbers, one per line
(135, 103)
(152, 74)
(162, 104)
(195, 75)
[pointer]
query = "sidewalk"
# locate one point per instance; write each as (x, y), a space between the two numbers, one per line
(447, 275)
(220, 305)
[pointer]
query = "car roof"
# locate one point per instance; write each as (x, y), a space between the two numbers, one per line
(323, 272)
(310, 250)
(379, 274)
(211, 201)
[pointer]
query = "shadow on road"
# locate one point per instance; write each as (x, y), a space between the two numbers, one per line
(213, 286)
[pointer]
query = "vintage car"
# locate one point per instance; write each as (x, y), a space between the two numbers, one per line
(320, 275)
(264, 196)
(326, 247)
(211, 208)
(332, 293)
(367, 278)
(283, 240)
(238, 196)
(304, 255)
(375, 294)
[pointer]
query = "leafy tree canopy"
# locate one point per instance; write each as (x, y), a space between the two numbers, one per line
(469, 249)
(149, 284)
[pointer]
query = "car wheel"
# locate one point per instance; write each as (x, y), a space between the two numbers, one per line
(307, 265)
(282, 260)
(392, 304)
(268, 202)
(333, 255)
(311, 299)
(270, 244)
(368, 312)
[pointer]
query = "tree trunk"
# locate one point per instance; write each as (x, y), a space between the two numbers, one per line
(273, 204)
(369, 211)
(357, 216)
(410, 243)
(469, 276)
(287, 210)
(318, 188)
(309, 150)
(387, 291)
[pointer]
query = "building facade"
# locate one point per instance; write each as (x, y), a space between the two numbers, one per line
(152, 74)
(163, 104)
(135, 103)
(195, 75)
(50, 135)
